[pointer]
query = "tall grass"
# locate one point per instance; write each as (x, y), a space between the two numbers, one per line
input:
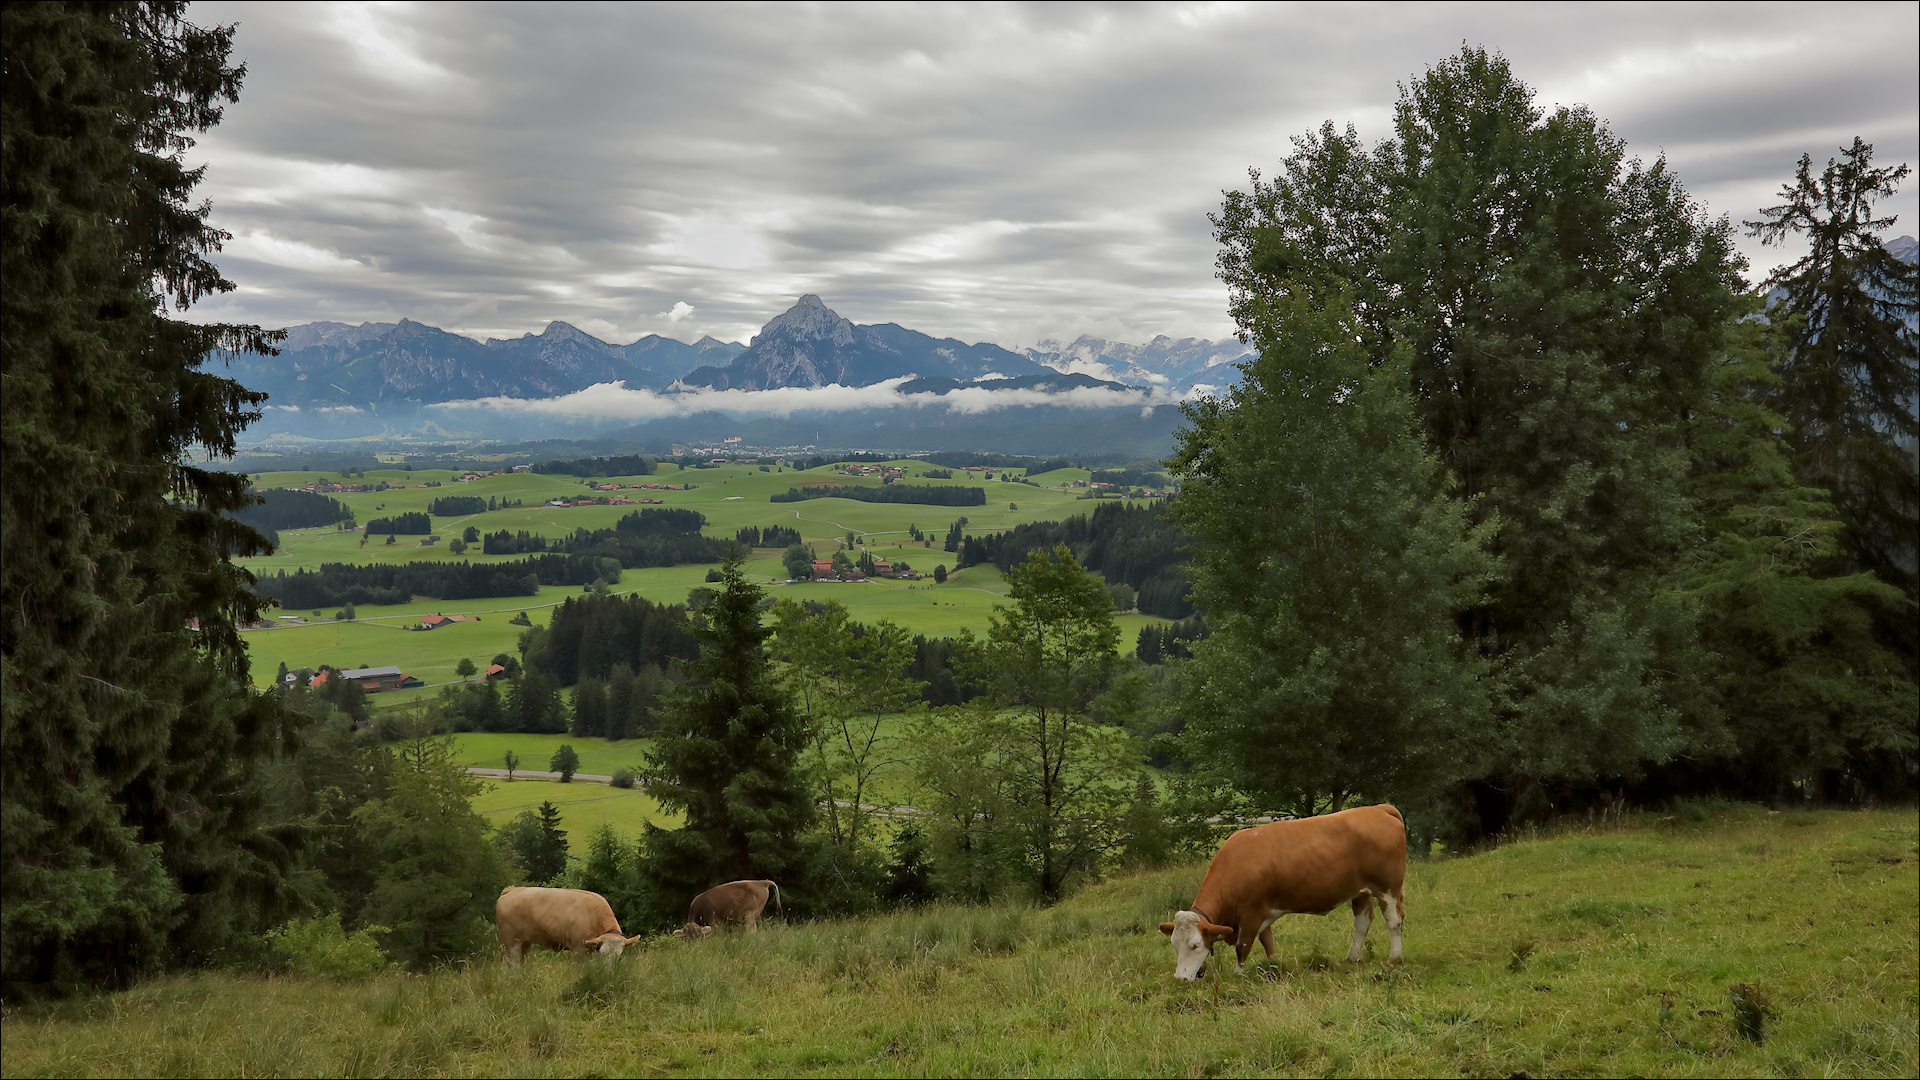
(1605, 951)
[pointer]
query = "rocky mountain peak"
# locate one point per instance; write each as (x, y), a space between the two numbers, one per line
(811, 319)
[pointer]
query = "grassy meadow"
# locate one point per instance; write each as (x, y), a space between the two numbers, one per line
(730, 496)
(1603, 950)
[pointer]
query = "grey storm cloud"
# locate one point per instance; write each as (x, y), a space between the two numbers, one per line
(990, 172)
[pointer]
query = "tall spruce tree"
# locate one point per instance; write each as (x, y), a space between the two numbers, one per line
(728, 756)
(1816, 703)
(1850, 381)
(134, 830)
(1558, 303)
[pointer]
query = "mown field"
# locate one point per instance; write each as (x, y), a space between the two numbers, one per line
(1600, 951)
(730, 496)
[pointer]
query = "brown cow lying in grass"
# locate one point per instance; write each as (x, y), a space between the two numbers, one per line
(737, 903)
(572, 919)
(1309, 866)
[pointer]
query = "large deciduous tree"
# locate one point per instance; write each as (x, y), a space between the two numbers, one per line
(134, 829)
(1028, 787)
(1557, 303)
(850, 681)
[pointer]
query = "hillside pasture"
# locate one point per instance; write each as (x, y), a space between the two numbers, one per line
(1601, 951)
(583, 807)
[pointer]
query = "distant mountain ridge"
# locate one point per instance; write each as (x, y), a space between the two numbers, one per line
(394, 368)
(812, 345)
(338, 365)
(1165, 363)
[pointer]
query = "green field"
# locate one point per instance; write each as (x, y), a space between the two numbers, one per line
(583, 807)
(730, 496)
(1605, 951)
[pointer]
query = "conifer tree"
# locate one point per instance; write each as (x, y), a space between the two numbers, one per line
(437, 873)
(1333, 565)
(135, 828)
(1849, 380)
(728, 757)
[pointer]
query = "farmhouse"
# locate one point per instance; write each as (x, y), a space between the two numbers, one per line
(375, 680)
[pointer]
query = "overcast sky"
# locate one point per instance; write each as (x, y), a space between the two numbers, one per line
(992, 172)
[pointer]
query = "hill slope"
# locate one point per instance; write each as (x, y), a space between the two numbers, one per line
(1605, 951)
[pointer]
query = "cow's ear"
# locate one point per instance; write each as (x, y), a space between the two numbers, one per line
(634, 938)
(1166, 928)
(1212, 932)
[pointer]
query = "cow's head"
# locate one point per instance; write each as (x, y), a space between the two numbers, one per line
(1193, 940)
(693, 931)
(610, 945)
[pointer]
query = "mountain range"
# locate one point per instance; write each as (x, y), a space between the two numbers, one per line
(387, 367)
(811, 345)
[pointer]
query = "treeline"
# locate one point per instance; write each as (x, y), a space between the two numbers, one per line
(768, 536)
(343, 583)
(1132, 545)
(1131, 478)
(457, 506)
(1172, 641)
(412, 523)
(928, 494)
(656, 536)
(288, 508)
(1503, 517)
(615, 652)
(621, 465)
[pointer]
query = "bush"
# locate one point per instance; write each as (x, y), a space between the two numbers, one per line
(319, 947)
(623, 778)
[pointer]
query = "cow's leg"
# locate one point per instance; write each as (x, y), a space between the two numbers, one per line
(1266, 938)
(516, 951)
(1394, 907)
(1362, 918)
(1240, 951)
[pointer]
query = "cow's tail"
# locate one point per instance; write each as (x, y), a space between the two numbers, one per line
(778, 910)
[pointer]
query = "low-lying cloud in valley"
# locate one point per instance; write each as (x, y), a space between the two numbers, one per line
(614, 401)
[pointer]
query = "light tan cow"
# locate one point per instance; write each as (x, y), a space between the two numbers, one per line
(1308, 866)
(572, 919)
(737, 903)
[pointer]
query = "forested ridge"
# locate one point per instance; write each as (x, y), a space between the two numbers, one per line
(1529, 502)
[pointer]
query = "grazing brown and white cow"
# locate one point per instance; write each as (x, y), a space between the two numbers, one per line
(1308, 866)
(572, 919)
(737, 903)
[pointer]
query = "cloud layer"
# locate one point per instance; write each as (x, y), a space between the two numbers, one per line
(989, 172)
(613, 401)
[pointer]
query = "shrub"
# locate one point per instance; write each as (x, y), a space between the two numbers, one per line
(623, 778)
(319, 947)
